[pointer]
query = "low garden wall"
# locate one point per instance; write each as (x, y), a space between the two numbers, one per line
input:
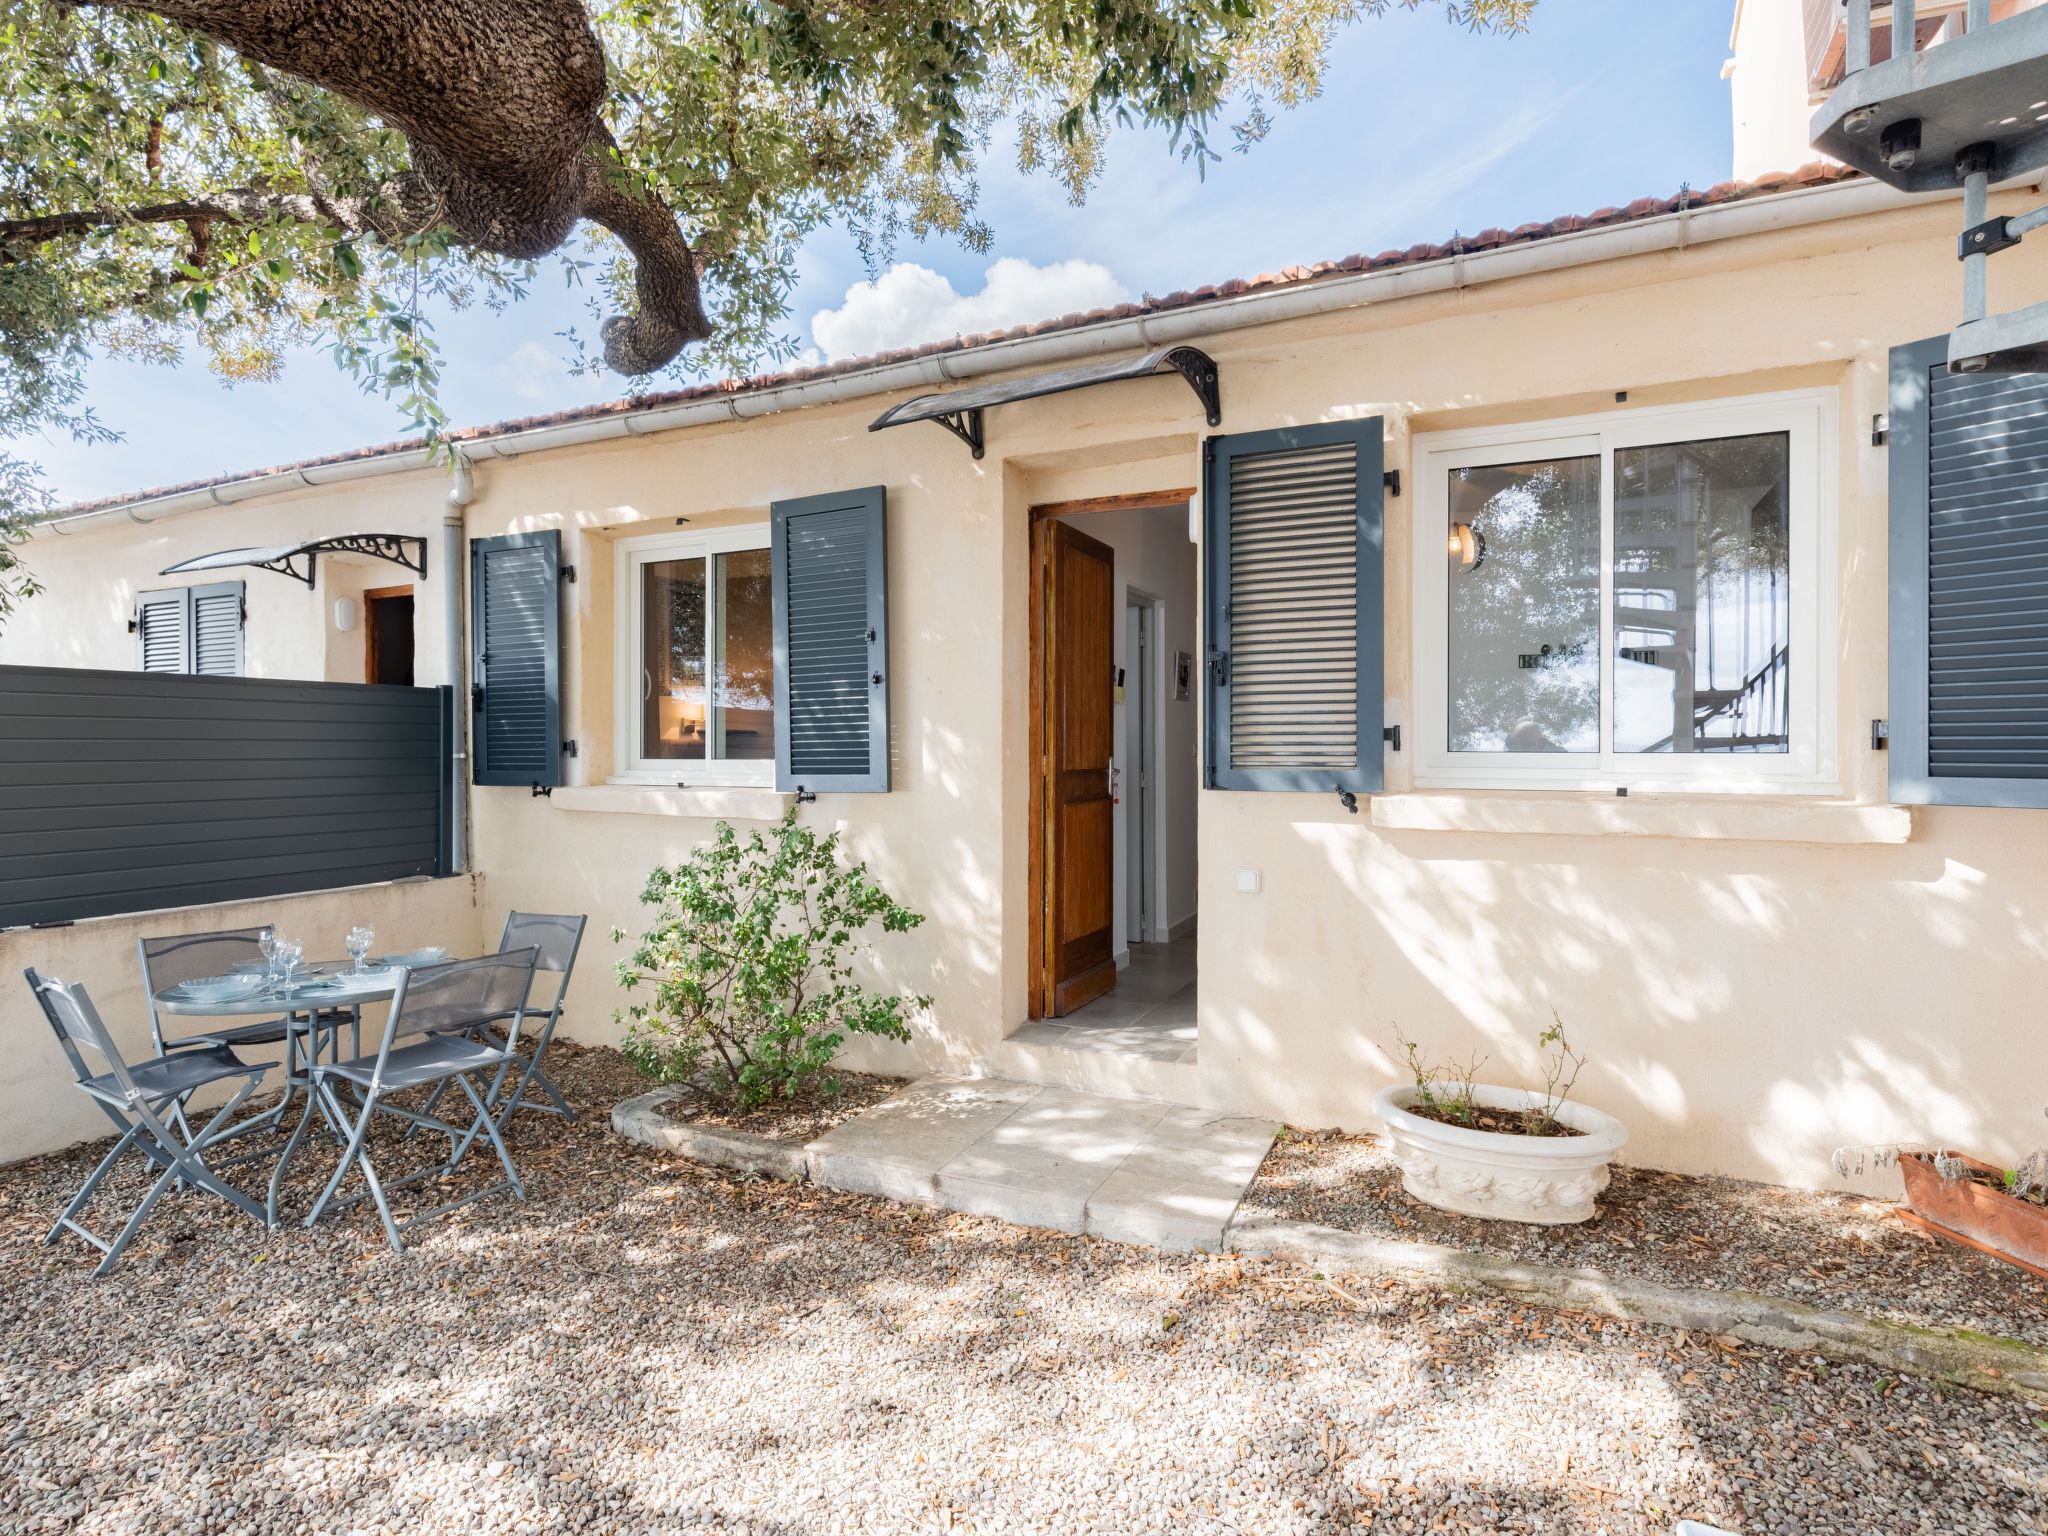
(40, 1108)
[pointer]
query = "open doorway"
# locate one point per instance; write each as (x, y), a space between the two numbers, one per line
(387, 636)
(1114, 803)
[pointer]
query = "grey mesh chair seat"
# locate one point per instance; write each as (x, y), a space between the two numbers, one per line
(175, 1075)
(433, 1059)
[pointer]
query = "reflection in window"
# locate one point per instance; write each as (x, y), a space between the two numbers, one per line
(1523, 545)
(745, 698)
(1702, 585)
(672, 692)
(725, 634)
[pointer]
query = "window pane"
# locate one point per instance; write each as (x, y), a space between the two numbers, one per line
(1524, 555)
(672, 722)
(1702, 589)
(745, 695)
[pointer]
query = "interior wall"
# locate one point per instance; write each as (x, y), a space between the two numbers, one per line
(1155, 556)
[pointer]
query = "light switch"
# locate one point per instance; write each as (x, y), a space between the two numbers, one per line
(1248, 881)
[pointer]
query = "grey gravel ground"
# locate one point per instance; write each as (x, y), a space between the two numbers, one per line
(653, 1346)
(1838, 1251)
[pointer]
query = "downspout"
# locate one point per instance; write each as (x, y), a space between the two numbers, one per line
(460, 493)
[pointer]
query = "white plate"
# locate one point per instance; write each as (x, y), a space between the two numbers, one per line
(220, 989)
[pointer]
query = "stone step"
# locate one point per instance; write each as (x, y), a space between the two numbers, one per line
(1130, 1169)
(1057, 1057)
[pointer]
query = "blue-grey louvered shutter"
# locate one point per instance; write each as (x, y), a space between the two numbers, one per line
(515, 662)
(830, 558)
(1292, 577)
(1969, 583)
(163, 630)
(217, 629)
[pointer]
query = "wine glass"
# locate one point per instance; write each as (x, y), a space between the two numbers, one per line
(268, 944)
(360, 938)
(290, 955)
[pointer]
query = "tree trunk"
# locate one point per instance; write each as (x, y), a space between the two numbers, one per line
(501, 102)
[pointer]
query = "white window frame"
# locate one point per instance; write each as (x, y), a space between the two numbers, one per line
(631, 555)
(1808, 418)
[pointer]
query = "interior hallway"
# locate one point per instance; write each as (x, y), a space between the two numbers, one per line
(1151, 1012)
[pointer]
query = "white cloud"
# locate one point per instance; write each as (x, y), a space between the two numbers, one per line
(533, 372)
(909, 304)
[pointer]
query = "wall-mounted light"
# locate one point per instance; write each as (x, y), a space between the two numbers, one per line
(344, 614)
(1467, 545)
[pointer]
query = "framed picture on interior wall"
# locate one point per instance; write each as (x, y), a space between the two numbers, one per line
(1183, 673)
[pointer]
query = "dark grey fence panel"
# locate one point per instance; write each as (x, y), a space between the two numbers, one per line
(135, 791)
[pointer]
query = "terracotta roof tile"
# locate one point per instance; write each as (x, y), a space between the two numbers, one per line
(1813, 175)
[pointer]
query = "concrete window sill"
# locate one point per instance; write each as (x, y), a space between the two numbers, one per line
(726, 804)
(1720, 818)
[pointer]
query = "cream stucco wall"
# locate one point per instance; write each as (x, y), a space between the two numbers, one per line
(1750, 1002)
(1768, 97)
(40, 1110)
(290, 630)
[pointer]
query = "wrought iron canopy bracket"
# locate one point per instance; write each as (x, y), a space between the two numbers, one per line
(965, 425)
(1199, 369)
(298, 561)
(288, 565)
(961, 411)
(406, 549)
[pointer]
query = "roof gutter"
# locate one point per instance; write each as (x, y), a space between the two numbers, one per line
(1680, 231)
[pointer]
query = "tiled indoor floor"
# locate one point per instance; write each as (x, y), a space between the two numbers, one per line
(1151, 1013)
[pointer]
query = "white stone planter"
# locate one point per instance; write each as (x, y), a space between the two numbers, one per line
(1547, 1179)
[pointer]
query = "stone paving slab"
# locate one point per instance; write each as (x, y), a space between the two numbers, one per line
(1136, 1170)
(897, 1148)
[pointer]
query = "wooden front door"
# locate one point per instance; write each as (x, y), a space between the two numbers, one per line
(1078, 824)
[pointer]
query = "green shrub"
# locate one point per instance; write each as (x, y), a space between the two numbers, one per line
(749, 964)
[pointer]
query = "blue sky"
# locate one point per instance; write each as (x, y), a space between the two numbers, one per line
(1423, 130)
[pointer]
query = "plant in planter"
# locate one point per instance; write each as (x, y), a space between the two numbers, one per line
(2001, 1211)
(1511, 1154)
(749, 964)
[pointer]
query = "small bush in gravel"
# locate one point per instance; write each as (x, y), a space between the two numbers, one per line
(748, 960)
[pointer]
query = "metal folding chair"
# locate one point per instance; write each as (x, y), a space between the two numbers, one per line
(430, 1010)
(556, 940)
(179, 958)
(143, 1101)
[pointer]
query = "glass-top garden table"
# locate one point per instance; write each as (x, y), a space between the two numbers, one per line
(315, 1008)
(329, 995)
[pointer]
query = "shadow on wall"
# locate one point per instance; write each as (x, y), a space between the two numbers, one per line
(1748, 1007)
